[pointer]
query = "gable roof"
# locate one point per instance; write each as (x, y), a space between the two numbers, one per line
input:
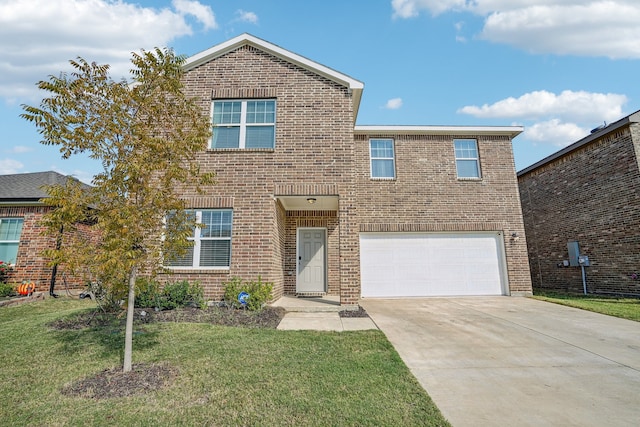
(28, 187)
(355, 86)
(595, 134)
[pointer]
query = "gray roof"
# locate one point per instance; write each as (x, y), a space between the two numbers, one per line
(28, 187)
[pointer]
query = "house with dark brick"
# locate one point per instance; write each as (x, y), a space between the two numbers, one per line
(319, 205)
(22, 241)
(585, 200)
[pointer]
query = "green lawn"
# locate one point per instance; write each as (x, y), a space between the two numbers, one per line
(226, 376)
(626, 308)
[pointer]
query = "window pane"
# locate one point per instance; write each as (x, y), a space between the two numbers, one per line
(467, 169)
(184, 261)
(260, 137)
(466, 149)
(261, 111)
(10, 228)
(217, 224)
(381, 148)
(215, 253)
(382, 168)
(226, 137)
(8, 252)
(227, 112)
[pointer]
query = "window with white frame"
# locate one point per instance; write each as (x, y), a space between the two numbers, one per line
(382, 158)
(10, 230)
(211, 242)
(467, 160)
(249, 123)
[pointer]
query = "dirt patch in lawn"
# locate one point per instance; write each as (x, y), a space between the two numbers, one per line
(114, 382)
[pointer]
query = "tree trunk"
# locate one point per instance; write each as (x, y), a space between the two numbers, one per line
(128, 335)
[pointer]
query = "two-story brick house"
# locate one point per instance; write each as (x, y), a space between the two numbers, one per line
(306, 199)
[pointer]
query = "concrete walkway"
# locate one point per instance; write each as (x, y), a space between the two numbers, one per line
(511, 361)
(319, 314)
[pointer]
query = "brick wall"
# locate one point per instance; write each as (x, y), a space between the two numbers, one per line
(427, 196)
(314, 135)
(590, 195)
(31, 265)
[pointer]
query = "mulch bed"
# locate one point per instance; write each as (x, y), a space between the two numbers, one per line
(114, 382)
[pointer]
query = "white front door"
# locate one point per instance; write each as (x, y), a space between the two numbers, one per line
(311, 260)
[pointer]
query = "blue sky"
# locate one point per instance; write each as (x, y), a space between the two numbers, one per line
(557, 67)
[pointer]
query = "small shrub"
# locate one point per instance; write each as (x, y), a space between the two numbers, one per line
(6, 290)
(5, 269)
(181, 294)
(147, 293)
(109, 300)
(259, 292)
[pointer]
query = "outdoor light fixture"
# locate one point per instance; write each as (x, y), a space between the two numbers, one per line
(311, 200)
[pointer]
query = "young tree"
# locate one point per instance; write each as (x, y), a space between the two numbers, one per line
(146, 133)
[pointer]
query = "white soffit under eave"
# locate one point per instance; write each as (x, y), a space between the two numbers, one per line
(510, 131)
(234, 43)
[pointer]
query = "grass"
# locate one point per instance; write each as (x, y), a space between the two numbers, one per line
(226, 376)
(626, 308)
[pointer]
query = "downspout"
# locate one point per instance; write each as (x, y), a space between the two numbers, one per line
(54, 271)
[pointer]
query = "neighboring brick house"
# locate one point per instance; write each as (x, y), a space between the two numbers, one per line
(21, 236)
(588, 192)
(317, 205)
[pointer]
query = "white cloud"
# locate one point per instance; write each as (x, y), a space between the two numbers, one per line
(245, 16)
(393, 104)
(568, 105)
(10, 166)
(201, 12)
(45, 34)
(554, 132)
(606, 28)
(19, 149)
(555, 119)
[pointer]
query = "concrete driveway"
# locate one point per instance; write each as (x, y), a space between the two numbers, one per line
(512, 361)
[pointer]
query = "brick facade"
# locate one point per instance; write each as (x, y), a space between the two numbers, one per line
(31, 265)
(589, 192)
(316, 154)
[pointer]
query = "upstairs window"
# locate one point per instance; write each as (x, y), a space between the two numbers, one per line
(382, 158)
(467, 160)
(244, 124)
(211, 243)
(10, 230)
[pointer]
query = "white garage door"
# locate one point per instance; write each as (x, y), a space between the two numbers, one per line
(431, 264)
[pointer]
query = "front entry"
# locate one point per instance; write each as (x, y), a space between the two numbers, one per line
(311, 260)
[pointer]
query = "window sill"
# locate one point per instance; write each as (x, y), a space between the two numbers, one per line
(470, 179)
(382, 179)
(186, 270)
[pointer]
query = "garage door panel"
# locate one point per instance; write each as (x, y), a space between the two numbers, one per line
(431, 264)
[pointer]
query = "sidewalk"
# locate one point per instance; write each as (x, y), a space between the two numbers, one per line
(319, 314)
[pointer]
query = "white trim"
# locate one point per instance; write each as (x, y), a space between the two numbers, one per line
(510, 131)
(248, 39)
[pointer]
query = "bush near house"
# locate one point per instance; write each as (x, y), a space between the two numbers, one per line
(6, 289)
(259, 293)
(5, 269)
(173, 295)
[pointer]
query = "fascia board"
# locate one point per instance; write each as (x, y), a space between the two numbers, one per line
(510, 131)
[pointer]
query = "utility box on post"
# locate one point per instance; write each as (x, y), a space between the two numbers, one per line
(574, 253)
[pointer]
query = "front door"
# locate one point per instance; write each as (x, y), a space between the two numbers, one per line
(311, 260)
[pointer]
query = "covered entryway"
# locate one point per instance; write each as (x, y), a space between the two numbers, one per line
(432, 264)
(312, 267)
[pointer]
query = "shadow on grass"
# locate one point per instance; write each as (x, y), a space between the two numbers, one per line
(103, 330)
